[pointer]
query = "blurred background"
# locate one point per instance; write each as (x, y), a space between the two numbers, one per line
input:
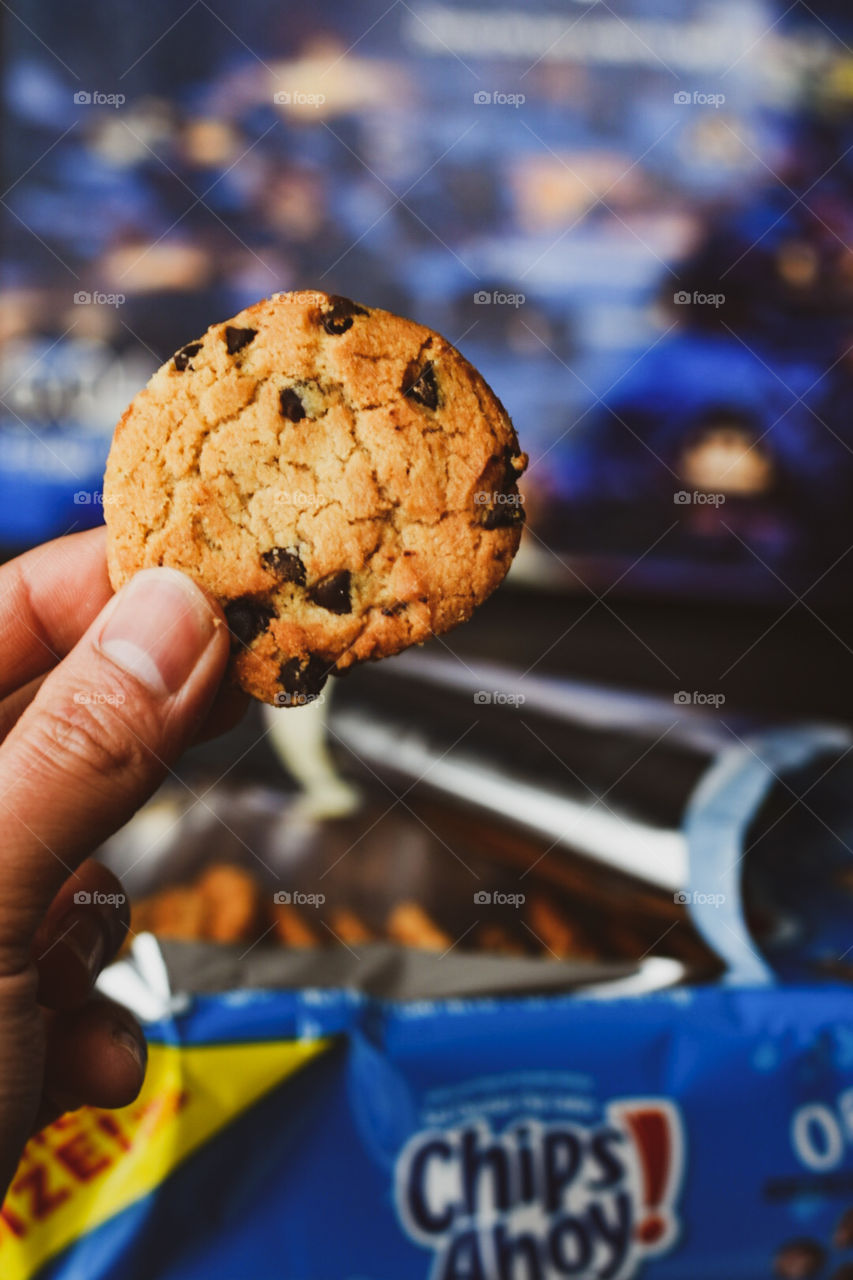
(634, 764)
(634, 217)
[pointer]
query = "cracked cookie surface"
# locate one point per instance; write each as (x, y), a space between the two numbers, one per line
(341, 479)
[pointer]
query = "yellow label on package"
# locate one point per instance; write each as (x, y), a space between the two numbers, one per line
(90, 1165)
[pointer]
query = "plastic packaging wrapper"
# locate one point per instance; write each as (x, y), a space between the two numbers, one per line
(321, 1134)
(408, 1044)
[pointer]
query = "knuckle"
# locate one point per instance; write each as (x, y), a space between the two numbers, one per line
(94, 738)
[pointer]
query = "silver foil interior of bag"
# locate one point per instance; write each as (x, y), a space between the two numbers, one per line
(459, 806)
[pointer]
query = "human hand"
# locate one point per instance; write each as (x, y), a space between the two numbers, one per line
(99, 694)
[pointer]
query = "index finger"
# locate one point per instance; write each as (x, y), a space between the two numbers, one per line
(48, 598)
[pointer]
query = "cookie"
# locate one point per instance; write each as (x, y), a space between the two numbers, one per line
(340, 478)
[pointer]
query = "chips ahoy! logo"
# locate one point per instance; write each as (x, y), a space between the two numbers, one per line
(540, 1201)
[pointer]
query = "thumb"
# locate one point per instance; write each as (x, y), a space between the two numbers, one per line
(99, 737)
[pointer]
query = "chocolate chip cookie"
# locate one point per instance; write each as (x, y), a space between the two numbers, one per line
(341, 479)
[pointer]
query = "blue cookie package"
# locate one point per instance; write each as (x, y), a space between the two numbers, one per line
(320, 1135)
(309, 1116)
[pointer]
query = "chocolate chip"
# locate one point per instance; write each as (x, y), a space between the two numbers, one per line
(420, 385)
(301, 680)
(333, 592)
(510, 473)
(247, 617)
(291, 405)
(498, 500)
(286, 565)
(504, 515)
(340, 315)
(182, 358)
(236, 339)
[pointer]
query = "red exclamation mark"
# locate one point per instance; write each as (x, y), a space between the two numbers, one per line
(649, 1128)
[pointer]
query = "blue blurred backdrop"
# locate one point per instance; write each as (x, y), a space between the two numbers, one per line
(634, 217)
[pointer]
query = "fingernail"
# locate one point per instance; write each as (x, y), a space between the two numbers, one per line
(81, 932)
(131, 1044)
(158, 628)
